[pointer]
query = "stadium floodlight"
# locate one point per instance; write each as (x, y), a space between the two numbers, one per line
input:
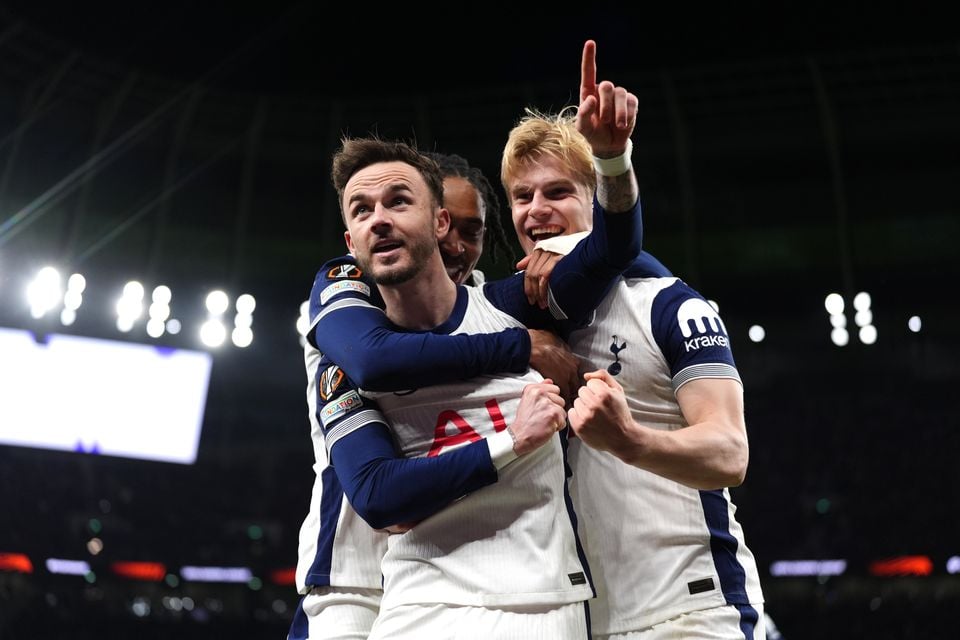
(833, 304)
(162, 294)
(76, 282)
(217, 302)
(129, 306)
(868, 334)
(155, 327)
(839, 336)
(159, 311)
(242, 337)
(213, 333)
(133, 290)
(44, 293)
(72, 299)
(243, 322)
(246, 303)
(914, 324)
(861, 301)
(757, 333)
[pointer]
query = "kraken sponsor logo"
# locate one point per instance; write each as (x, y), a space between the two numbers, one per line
(706, 341)
(705, 321)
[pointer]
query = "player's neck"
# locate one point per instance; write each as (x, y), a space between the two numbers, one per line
(424, 301)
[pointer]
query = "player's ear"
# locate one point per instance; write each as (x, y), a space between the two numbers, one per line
(443, 223)
(349, 241)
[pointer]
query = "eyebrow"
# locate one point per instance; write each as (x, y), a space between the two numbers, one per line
(560, 182)
(391, 189)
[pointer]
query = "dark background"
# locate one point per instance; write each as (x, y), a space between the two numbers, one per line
(784, 151)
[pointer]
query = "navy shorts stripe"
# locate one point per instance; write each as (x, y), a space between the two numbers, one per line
(748, 620)
(299, 628)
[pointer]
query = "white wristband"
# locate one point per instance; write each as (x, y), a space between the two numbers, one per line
(615, 166)
(501, 448)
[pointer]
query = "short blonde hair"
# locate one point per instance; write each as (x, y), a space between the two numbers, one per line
(556, 136)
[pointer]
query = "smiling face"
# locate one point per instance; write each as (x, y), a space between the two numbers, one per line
(546, 201)
(463, 244)
(393, 222)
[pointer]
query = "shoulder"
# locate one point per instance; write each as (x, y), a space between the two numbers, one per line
(691, 334)
(647, 266)
(677, 302)
(477, 278)
(340, 277)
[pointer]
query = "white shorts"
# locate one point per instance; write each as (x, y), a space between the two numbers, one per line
(335, 613)
(731, 622)
(450, 622)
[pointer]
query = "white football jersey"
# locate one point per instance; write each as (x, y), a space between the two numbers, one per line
(656, 548)
(337, 547)
(508, 544)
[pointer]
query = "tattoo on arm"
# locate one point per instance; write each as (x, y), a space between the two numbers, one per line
(617, 194)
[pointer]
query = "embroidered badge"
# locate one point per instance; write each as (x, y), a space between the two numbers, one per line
(615, 367)
(340, 407)
(330, 381)
(350, 271)
(340, 287)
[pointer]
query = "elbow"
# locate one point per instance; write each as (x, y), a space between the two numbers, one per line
(374, 513)
(373, 373)
(726, 470)
(627, 255)
(367, 377)
(736, 478)
(735, 471)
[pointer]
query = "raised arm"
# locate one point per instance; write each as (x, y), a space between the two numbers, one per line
(606, 117)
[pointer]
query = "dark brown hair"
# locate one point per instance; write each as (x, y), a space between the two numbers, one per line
(359, 153)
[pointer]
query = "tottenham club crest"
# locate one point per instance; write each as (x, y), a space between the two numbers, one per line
(330, 381)
(350, 271)
(615, 366)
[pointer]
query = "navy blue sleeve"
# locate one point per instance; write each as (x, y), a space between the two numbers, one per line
(691, 336)
(647, 266)
(582, 279)
(349, 325)
(386, 489)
